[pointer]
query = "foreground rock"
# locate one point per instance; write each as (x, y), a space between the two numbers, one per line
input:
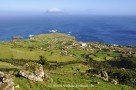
(98, 73)
(101, 74)
(6, 82)
(114, 82)
(33, 71)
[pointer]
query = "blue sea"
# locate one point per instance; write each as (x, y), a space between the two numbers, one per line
(119, 30)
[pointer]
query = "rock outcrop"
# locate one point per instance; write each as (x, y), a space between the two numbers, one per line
(114, 82)
(32, 71)
(104, 75)
(99, 73)
(6, 82)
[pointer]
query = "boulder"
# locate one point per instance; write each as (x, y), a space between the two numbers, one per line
(104, 75)
(99, 73)
(64, 53)
(6, 82)
(32, 71)
(114, 82)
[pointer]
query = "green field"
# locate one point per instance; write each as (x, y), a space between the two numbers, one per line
(62, 50)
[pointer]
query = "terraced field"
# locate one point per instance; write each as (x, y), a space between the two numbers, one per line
(68, 62)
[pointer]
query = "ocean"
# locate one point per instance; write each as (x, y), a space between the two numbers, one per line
(119, 30)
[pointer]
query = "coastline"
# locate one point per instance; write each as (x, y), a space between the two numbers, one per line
(29, 36)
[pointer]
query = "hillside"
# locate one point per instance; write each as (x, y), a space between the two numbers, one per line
(70, 64)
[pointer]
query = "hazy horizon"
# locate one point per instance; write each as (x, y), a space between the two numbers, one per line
(41, 7)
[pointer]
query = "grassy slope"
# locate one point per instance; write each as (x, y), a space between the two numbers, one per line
(21, 50)
(32, 49)
(66, 76)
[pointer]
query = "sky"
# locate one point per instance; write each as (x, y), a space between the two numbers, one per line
(110, 7)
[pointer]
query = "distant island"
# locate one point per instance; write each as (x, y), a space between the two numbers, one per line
(58, 61)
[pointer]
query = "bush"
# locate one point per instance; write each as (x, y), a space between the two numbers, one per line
(127, 77)
(43, 61)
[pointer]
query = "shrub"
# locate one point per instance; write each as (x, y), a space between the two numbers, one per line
(127, 77)
(43, 61)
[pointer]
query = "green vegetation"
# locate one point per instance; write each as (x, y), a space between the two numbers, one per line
(66, 61)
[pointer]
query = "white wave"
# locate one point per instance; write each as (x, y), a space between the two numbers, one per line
(53, 31)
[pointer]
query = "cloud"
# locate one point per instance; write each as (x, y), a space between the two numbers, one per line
(54, 10)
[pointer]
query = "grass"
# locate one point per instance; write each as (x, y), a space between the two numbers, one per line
(50, 46)
(55, 55)
(62, 82)
(56, 36)
(5, 52)
(72, 68)
(6, 65)
(28, 55)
